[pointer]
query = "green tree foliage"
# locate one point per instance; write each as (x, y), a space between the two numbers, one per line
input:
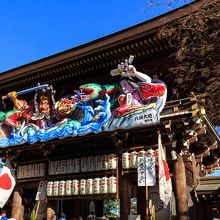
(111, 208)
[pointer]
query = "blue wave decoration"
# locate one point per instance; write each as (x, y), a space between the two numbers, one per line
(65, 128)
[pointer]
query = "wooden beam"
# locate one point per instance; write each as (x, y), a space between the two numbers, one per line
(212, 128)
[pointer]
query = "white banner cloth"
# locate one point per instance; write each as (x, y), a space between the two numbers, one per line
(7, 182)
(165, 186)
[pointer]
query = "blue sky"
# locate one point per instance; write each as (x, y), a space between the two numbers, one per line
(35, 29)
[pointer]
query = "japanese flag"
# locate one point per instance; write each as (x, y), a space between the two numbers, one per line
(165, 186)
(7, 182)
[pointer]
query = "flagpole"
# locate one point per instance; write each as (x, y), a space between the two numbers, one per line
(147, 196)
(37, 209)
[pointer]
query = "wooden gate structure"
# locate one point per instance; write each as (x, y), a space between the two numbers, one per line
(191, 143)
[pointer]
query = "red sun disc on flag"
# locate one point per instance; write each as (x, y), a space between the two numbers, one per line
(5, 182)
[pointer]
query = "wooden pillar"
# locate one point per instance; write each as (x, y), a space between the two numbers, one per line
(142, 202)
(125, 198)
(21, 213)
(16, 206)
(180, 189)
(50, 209)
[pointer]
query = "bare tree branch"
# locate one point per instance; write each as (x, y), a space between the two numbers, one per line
(196, 40)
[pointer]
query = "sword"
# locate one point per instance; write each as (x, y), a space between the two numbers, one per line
(27, 90)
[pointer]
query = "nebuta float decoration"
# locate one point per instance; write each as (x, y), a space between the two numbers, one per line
(135, 100)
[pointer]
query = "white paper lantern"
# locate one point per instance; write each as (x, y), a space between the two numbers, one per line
(126, 160)
(62, 188)
(38, 169)
(62, 166)
(133, 161)
(19, 172)
(69, 187)
(42, 167)
(142, 153)
(90, 164)
(69, 165)
(104, 162)
(51, 170)
(97, 163)
(23, 172)
(89, 186)
(76, 165)
(112, 186)
(27, 171)
(55, 188)
(112, 161)
(75, 187)
(83, 164)
(97, 186)
(82, 187)
(32, 171)
(104, 185)
(57, 167)
(50, 188)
